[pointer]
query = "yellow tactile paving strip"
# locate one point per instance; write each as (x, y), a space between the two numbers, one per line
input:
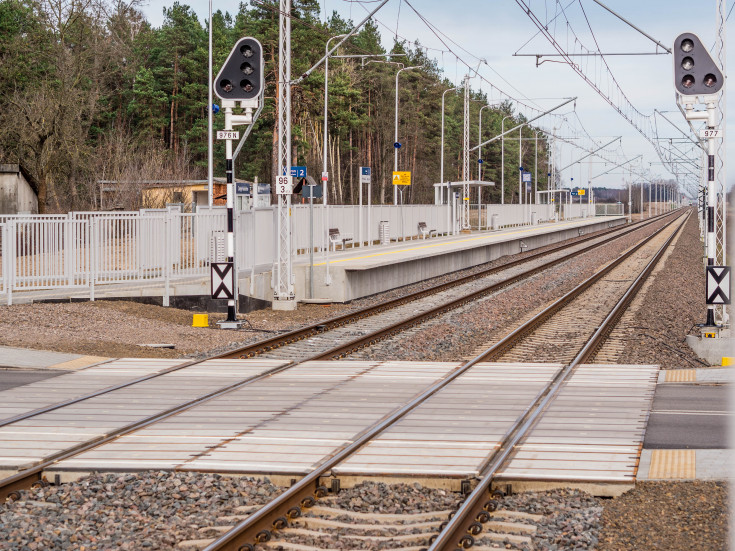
(681, 376)
(79, 363)
(673, 464)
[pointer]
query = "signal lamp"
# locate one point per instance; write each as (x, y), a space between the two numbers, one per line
(695, 72)
(245, 59)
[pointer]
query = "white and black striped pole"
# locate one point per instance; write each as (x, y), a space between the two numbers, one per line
(231, 303)
(711, 204)
(240, 80)
(698, 80)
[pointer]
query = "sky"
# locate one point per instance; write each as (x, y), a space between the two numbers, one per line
(485, 35)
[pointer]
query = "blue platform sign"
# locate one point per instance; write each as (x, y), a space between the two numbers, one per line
(242, 188)
(298, 171)
(365, 170)
(264, 189)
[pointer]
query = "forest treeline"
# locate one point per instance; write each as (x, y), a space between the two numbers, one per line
(90, 91)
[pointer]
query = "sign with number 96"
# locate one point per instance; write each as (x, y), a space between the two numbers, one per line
(283, 185)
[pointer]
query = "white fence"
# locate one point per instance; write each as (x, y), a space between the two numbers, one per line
(609, 209)
(84, 249)
(78, 251)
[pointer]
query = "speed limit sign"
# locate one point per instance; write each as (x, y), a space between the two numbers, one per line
(283, 185)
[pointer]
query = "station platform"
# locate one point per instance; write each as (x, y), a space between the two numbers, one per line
(360, 272)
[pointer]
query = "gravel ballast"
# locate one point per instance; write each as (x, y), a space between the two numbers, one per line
(151, 510)
(158, 510)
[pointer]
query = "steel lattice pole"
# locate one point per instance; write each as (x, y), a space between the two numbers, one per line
(284, 287)
(721, 313)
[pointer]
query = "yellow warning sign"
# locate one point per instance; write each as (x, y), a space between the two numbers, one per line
(581, 191)
(401, 178)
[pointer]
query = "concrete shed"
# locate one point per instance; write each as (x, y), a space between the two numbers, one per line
(18, 191)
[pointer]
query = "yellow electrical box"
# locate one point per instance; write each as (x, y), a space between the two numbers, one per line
(200, 320)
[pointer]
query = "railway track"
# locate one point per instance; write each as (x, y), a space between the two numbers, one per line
(305, 343)
(338, 336)
(564, 326)
(477, 510)
(27, 477)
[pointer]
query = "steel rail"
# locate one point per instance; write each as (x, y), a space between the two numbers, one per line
(466, 522)
(34, 474)
(275, 515)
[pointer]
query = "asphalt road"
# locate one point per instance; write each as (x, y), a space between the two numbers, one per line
(689, 416)
(10, 378)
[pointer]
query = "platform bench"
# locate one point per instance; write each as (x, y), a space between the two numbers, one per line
(335, 237)
(425, 231)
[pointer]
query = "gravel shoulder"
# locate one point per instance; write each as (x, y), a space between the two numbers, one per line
(672, 307)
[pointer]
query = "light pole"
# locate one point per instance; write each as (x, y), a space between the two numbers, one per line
(395, 148)
(520, 165)
(502, 159)
(441, 166)
(325, 172)
(535, 168)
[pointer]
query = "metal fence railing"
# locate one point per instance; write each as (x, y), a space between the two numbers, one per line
(84, 249)
(609, 209)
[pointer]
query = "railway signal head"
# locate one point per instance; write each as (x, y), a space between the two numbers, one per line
(695, 72)
(241, 76)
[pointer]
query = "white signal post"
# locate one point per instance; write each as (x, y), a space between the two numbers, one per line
(229, 135)
(699, 83)
(240, 80)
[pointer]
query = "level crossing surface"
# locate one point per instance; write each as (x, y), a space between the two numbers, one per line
(29, 441)
(289, 422)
